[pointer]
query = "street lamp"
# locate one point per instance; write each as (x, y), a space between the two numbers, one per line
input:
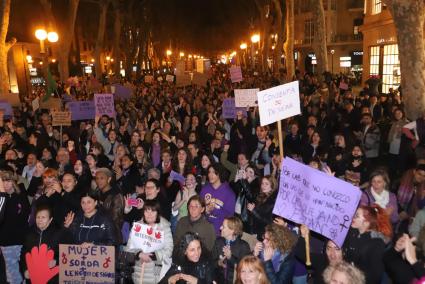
(181, 53)
(254, 39)
(42, 35)
(169, 52)
(332, 53)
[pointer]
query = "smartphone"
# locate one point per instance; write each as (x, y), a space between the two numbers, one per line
(133, 202)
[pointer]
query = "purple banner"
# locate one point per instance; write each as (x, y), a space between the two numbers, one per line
(104, 104)
(122, 92)
(323, 203)
(6, 107)
(81, 110)
(229, 109)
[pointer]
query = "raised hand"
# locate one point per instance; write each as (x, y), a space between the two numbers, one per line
(68, 219)
(38, 264)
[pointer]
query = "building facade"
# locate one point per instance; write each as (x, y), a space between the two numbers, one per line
(344, 39)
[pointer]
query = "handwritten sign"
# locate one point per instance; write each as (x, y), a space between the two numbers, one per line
(246, 97)
(6, 109)
(95, 264)
(149, 79)
(343, 86)
(104, 105)
(279, 103)
(169, 78)
(145, 238)
(81, 110)
(324, 203)
(236, 74)
(35, 104)
(229, 109)
(61, 118)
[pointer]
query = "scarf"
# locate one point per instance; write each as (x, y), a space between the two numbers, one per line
(381, 199)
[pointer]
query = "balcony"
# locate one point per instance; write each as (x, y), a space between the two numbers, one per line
(346, 38)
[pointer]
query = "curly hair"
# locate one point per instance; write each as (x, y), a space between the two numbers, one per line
(281, 237)
(378, 219)
(353, 274)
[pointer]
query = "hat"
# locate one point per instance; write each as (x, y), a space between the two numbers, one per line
(104, 171)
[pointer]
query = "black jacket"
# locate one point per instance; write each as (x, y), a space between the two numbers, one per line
(14, 226)
(399, 270)
(319, 261)
(262, 214)
(203, 270)
(239, 249)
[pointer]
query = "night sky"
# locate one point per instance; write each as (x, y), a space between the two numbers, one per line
(196, 26)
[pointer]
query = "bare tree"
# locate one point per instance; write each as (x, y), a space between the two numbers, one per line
(320, 46)
(263, 7)
(103, 6)
(278, 51)
(117, 36)
(289, 43)
(409, 19)
(4, 46)
(65, 31)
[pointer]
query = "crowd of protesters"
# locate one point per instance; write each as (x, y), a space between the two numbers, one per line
(90, 183)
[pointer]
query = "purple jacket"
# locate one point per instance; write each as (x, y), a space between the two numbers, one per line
(224, 199)
(368, 200)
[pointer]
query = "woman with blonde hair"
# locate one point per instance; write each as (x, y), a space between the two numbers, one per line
(343, 273)
(251, 271)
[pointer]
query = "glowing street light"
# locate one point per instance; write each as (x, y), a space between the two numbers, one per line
(41, 34)
(243, 46)
(181, 53)
(29, 58)
(52, 37)
(169, 52)
(255, 38)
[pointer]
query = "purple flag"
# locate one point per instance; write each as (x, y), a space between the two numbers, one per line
(229, 109)
(81, 110)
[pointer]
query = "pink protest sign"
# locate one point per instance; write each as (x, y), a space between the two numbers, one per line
(104, 104)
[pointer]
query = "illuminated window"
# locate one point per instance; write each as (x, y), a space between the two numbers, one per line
(376, 6)
(308, 31)
(374, 60)
(390, 68)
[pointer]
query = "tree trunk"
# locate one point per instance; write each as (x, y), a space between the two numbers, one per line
(100, 39)
(320, 37)
(277, 62)
(409, 17)
(117, 39)
(4, 46)
(65, 31)
(289, 43)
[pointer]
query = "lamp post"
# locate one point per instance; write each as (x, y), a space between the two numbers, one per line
(42, 35)
(243, 47)
(254, 39)
(332, 55)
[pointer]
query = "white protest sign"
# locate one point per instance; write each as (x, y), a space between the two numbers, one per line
(149, 79)
(145, 238)
(246, 97)
(279, 103)
(236, 74)
(169, 78)
(35, 104)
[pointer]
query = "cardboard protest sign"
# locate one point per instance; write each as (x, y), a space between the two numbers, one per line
(145, 238)
(229, 109)
(61, 118)
(246, 97)
(6, 109)
(149, 79)
(95, 264)
(343, 86)
(104, 105)
(236, 74)
(35, 104)
(169, 78)
(279, 103)
(122, 92)
(183, 80)
(51, 103)
(200, 79)
(324, 203)
(81, 110)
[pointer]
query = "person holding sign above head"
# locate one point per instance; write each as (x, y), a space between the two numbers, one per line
(91, 226)
(276, 252)
(319, 261)
(364, 245)
(153, 245)
(191, 263)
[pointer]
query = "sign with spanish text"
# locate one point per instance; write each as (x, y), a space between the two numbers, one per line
(122, 92)
(236, 74)
(169, 78)
(61, 118)
(92, 264)
(81, 110)
(246, 97)
(322, 202)
(35, 104)
(278, 103)
(148, 79)
(146, 238)
(104, 104)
